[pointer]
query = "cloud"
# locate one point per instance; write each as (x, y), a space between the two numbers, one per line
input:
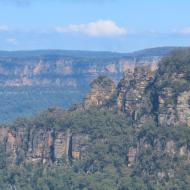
(101, 28)
(12, 41)
(185, 30)
(4, 28)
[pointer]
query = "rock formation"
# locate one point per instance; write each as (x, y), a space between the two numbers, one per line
(160, 95)
(51, 146)
(64, 68)
(34, 145)
(102, 90)
(131, 92)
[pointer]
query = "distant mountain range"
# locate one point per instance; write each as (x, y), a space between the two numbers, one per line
(158, 51)
(34, 80)
(70, 68)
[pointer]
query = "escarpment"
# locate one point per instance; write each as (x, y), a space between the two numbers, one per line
(172, 86)
(34, 145)
(161, 94)
(52, 147)
(138, 118)
(132, 96)
(102, 90)
(66, 68)
(146, 93)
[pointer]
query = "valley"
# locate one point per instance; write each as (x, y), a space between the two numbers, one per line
(31, 81)
(133, 135)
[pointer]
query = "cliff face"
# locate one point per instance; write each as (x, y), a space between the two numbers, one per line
(154, 92)
(131, 136)
(22, 146)
(172, 89)
(102, 90)
(41, 145)
(65, 68)
(131, 92)
(161, 94)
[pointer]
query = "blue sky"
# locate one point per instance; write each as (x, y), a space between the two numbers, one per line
(103, 25)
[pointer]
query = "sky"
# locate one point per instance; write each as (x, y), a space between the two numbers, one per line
(100, 25)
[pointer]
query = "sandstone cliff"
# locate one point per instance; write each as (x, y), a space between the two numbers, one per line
(102, 90)
(65, 68)
(161, 94)
(146, 95)
(155, 92)
(35, 145)
(132, 95)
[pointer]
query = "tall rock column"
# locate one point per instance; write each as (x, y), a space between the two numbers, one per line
(102, 90)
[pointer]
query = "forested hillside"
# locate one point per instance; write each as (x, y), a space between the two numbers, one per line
(130, 136)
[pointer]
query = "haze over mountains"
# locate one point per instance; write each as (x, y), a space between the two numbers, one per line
(69, 68)
(35, 80)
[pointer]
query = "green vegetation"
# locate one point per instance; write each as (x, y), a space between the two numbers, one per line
(175, 67)
(106, 165)
(102, 82)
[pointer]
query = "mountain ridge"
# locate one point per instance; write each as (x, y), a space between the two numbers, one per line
(131, 136)
(163, 51)
(29, 74)
(26, 75)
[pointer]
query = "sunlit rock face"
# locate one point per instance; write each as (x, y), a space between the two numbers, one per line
(146, 93)
(172, 89)
(132, 97)
(160, 92)
(41, 145)
(49, 147)
(174, 109)
(102, 90)
(66, 68)
(183, 107)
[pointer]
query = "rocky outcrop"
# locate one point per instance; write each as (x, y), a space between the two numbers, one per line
(41, 145)
(102, 90)
(131, 93)
(146, 93)
(159, 93)
(173, 109)
(44, 146)
(172, 87)
(183, 108)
